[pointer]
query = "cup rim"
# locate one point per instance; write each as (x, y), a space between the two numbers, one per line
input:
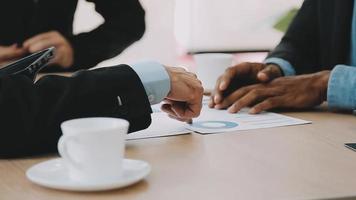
(72, 122)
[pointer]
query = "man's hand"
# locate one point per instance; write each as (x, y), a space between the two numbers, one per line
(241, 75)
(10, 53)
(184, 100)
(302, 91)
(64, 55)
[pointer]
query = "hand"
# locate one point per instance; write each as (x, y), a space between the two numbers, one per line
(241, 75)
(184, 100)
(64, 54)
(10, 53)
(302, 91)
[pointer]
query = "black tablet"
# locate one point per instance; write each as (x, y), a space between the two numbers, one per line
(29, 65)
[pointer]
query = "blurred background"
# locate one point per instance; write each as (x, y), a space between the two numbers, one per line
(175, 29)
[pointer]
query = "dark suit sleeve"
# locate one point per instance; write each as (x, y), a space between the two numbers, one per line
(300, 43)
(30, 114)
(124, 24)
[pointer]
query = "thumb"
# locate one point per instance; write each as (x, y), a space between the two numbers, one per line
(269, 73)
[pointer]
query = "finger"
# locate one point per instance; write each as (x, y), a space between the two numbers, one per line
(196, 104)
(172, 109)
(43, 44)
(269, 73)
(10, 53)
(267, 104)
(167, 108)
(191, 107)
(35, 39)
(13, 46)
(211, 103)
(179, 119)
(168, 101)
(216, 96)
(235, 96)
(186, 111)
(193, 110)
(226, 78)
(244, 101)
(251, 98)
(242, 70)
(192, 75)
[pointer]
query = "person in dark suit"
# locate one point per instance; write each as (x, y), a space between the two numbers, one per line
(314, 62)
(31, 113)
(32, 25)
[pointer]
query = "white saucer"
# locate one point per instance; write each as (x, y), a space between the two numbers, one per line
(54, 174)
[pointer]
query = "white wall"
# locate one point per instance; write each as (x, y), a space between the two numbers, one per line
(230, 25)
(159, 42)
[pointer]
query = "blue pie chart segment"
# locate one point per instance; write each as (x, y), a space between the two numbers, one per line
(214, 124)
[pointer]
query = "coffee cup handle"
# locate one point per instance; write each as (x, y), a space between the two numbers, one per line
(63, 150)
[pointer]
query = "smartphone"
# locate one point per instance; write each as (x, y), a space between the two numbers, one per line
(351, 146)
(29, 65)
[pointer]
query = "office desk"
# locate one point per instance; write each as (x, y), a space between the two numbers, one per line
(297, 162)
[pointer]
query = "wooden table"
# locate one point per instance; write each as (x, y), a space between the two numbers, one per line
(296, 162)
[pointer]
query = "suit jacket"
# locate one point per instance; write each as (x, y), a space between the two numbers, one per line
(319, 36)
(124, 24)
(30, 114)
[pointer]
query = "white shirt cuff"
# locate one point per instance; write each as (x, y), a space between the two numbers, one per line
(286, 67)
(154, 78)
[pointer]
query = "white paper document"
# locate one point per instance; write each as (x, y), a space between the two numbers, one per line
(161, 126)
(213, 121)
(216, 121)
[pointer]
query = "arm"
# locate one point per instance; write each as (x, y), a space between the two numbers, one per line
(181, 91)
(341, 92)
(124, 24)
(303, 91)
(31, 113)
(295, 54)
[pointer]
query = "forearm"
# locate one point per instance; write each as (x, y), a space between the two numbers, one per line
(31, 113)
(124, 24)
(299, 44)
(101, 44)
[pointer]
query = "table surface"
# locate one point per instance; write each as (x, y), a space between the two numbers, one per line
(295, 162)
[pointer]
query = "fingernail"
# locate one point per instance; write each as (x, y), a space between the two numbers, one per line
(211, 104)
(262, 76)
(217, 98)
(252, 111)
(231, 110)
(222, 85)
(234, 108)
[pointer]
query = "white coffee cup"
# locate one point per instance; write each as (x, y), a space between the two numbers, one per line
(209, 66)
(93, 148)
